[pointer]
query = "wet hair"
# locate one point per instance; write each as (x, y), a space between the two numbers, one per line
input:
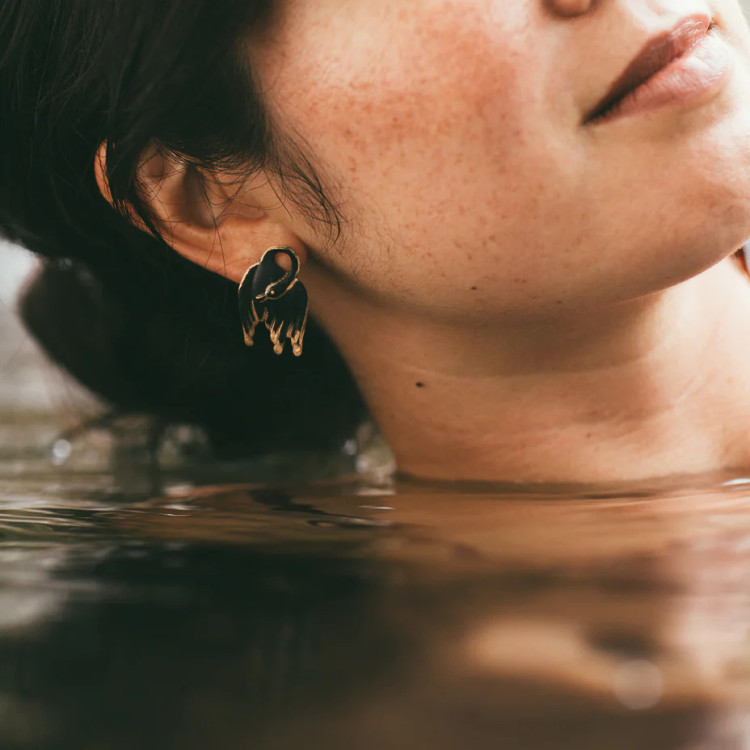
(114, 305)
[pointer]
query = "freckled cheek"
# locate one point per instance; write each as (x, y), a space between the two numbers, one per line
(450, 158)
(421, 115)
(423, 154)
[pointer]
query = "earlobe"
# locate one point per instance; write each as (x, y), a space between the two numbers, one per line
(200, 218)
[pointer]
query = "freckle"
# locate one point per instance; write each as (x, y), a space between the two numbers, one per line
(420, 385)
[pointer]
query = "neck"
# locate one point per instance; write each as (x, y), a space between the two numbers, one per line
(655, 387)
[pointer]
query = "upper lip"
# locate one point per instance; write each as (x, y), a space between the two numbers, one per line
(656, 54)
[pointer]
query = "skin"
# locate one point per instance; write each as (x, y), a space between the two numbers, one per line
(521, 296)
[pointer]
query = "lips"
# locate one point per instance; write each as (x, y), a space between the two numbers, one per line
(655, 56)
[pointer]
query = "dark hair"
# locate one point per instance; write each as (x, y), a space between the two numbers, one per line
(116, 306)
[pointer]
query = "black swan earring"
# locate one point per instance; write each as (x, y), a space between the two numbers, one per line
(269, 294)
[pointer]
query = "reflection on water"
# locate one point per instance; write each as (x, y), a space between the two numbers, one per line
(173, 613)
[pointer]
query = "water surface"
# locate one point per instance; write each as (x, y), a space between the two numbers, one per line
(159, 611)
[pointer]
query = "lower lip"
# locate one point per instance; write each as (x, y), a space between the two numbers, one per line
(695, 78)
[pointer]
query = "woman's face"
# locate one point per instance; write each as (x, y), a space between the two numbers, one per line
(451, 135)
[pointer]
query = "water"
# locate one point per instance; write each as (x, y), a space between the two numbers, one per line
(147, 610)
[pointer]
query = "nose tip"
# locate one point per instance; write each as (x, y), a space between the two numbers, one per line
(571, 7)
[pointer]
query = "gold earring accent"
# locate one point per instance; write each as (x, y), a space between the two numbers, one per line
(269, 294)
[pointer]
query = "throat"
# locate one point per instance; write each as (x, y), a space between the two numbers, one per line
(650, 390)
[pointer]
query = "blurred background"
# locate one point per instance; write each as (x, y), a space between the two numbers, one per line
(29, 386)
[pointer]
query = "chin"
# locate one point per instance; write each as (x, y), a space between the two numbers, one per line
(708, 225)
(691, 257)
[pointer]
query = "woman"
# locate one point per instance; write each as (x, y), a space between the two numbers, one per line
(516, 220)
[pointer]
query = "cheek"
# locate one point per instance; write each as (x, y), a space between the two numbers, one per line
(427, 128)
(377, 103)
(448, 135)
(450, 138)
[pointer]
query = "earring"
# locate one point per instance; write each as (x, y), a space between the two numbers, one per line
(269, 294)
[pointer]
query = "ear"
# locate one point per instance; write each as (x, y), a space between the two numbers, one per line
(220, 225)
